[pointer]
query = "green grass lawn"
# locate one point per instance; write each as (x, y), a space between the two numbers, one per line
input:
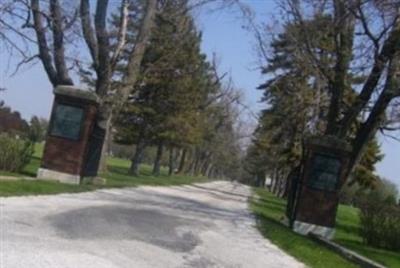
(269, 211)
(117, 176)
(25, 187)
(348, 235)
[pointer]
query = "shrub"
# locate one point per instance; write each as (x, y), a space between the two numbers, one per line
(380, 223)
(15, 153)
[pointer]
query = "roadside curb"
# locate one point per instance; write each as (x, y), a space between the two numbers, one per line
(346, 253)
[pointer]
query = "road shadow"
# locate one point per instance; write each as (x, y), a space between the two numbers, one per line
(124, 223)
(213, 190)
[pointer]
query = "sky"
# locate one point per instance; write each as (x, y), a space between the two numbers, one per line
(30, 92)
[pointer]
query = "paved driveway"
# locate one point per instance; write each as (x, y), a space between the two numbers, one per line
(204, 225)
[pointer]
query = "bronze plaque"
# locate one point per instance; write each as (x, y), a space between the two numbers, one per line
(67, 121)
(325, 172)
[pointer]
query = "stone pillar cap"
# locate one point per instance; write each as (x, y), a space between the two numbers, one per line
(329, 141)
(76, 92)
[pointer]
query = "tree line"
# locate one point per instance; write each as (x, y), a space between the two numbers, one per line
(143, 60)
(332, 71)
(179, 104)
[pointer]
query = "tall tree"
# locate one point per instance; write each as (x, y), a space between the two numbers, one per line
(50, 23)
(299, 98)
(357, 39)
(164, 108)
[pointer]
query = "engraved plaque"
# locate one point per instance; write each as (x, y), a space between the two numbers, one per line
(67, 122)
(325, 172)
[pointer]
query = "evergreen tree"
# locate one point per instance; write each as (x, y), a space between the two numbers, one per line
(164, 109)
(37, 129)
(297, 100)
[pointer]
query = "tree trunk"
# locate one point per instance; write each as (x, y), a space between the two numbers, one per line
(177, 156)
(278, 187)
(198, 164)
(189, 170)
(292, 177)
(138, 156)
(277, 179)
(273, 179)
(273, 184)
(377, 115)
(171, 164)
(57, 72)
(191, 167)
(388, 51)
(205, 168)
(157, 161)
(282, 185)
(98, 44)
(209, 171)
(344, 31)
(205, 164)
(106, 147)
(182, 161)
(260, 179)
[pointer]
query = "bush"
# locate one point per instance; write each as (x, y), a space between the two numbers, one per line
(380, 223)
(15, 153)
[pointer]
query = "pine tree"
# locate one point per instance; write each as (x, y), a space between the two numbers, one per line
(164, 109)
(297, 100)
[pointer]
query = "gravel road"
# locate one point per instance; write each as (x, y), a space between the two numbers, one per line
(202, 225)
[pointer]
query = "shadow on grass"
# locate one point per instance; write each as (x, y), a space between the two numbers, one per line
(268, 222)
(278, 203)
(272, 206)
(274, 209)
(209, 189)
(118, 170)
(117, 176)
(123, 170)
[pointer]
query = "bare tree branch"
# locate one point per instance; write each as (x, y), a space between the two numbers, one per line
(58, 44)
(12, 44)
(16, 31)
(24, 61)
(103, 52)
(123, 27)
(70, 23)
(359, 14)
(389, 48)
(376, 116)
(88, 32)
(136, 55)
(344, 32)
(44, 50)
(390, 136)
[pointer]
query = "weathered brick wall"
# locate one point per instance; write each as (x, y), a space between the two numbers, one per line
(66, 155)
(317, 206)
